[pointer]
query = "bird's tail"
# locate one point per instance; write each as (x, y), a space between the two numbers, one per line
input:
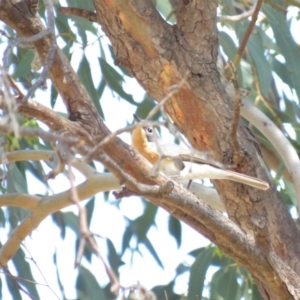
(196, 171)
(248, 180)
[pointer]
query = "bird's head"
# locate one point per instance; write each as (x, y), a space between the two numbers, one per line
(142, 140)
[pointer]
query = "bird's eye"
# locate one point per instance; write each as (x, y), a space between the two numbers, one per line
(149, 129)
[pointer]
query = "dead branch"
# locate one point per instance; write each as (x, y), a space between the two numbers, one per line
(248, 33)
(78, 12)
(237, 18)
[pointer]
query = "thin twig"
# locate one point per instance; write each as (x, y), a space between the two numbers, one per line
(139, 188)
(16, 283)
(50, 54)
(87, 237)
(113, 135)
(14, 86)
(248, 33)
(45, 135)
(78, 12)
(40, 271)
(237, 18)
(174, 89)
(236, 115)
(58, 162)
(166, 295)
(9, 101)
(2, 32)
(19, 41)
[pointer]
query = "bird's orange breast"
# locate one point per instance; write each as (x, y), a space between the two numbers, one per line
(140, 144)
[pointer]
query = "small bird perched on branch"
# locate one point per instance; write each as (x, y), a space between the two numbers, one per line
(182, 164)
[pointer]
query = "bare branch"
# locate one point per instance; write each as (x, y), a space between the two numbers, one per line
(131, 183)
(14, 279)
(107, 181)
(14, 85)
(78, 12)
(20, 200)
(248, 33)
(87, 237)
(237, 18)
(46, 135)
(285, 149)
(50, 54)
(40, 271)
(93, 152)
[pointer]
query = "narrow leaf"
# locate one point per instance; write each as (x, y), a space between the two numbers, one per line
(198, 273)
(24, 271)
(87, 285)
(174, 227)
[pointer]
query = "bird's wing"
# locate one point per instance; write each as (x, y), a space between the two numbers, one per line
(187, 155)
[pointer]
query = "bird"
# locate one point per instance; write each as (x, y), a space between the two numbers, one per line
(181, 163)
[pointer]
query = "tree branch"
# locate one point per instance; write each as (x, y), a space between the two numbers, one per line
(277, 139)
(78, 12)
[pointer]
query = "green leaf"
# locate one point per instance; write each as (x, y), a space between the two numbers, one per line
(262, 66)
(88, 4)
(87, 285)
(114, 80)
(222, 279)
(255, 293)
(162, 290)
(23, 69)
(174, 227)
(182, 268)
(16, 182)
(292, 109)
(281, 70)
(227, 44)
(36, 169)
(12, 287)
(123, 69)
(145, 106)
(2, 221)
(84, 25)
(113, 257)
(62, 25)
(288, 48)
(24, 271)
(61, 286)
(87, 251)
(165, 8)
(100, 91)
(53, 96)
(57, 218)
(290, 192)
(229, 7)
(72, 221)
(152, 250)
(89, 210)
(142, 224)
(84, 72)
(126, 238)
(230, 50)
(198, 273)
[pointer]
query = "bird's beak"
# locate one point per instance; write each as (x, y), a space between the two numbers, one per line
(136, 118)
